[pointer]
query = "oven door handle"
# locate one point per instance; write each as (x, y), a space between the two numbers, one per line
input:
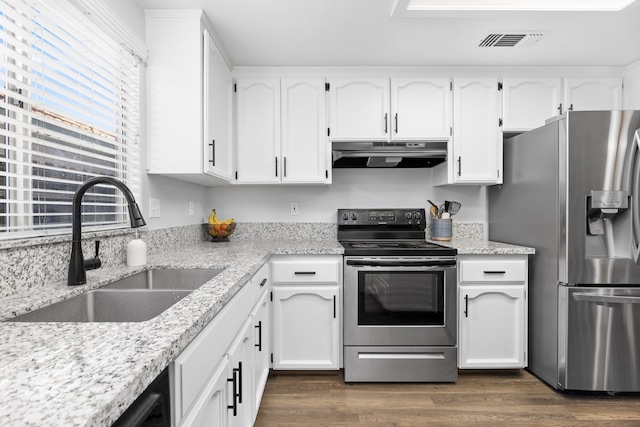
(395, 263)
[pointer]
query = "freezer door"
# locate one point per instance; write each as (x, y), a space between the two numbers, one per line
(599, 346)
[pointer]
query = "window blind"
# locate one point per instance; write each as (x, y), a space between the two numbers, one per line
(69, 111)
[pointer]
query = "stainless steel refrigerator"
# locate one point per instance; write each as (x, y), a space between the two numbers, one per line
(571, 191)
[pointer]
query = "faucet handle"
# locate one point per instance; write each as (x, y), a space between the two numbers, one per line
(93, 263)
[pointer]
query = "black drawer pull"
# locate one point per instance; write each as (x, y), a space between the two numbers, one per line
(234, 406)
(305, 273)
(494, 272)
(263, 282)
(259, 326)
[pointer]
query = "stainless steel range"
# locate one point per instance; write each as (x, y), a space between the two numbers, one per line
(399, 298)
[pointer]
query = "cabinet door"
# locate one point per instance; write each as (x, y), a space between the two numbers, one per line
(492, 326)
(261, 321)
(304, 131)
(218, 90)
(211, 409)
(477, 138)
(306, 327)
(258, 130)
(528, 102)
(359, 109)
(420, 109)
(593, 94)
(241, 359)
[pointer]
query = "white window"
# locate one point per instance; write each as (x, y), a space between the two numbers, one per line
(69, 101)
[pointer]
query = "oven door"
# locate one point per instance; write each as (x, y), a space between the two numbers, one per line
(407, 301)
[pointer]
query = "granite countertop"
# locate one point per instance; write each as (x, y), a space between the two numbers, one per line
(87, 374)
(472, 246)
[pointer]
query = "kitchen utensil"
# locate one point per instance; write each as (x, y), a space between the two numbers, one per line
(454, 207)
(434, 211)
(446, 205)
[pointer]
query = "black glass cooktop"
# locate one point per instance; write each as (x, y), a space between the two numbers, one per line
(386, 248)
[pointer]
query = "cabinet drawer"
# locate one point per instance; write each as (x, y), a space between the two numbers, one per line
(306, 270)
(486, 270)
(197, 362)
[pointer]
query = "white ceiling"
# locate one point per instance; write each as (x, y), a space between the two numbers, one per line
(362, 32)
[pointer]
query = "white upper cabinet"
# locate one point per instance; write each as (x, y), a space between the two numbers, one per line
(529, 102)
(475, 152)
(281, 131)
(397, 109)
(584, 94)
(359, 109)
(258, 133)
(421, 109)
(188, 99)
(218, 101)
(305, 149)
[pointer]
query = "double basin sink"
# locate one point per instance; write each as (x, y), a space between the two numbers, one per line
(136, 298)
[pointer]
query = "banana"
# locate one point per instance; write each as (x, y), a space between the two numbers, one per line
(213, 218)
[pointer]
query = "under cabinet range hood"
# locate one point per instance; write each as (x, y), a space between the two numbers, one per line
(424, 154)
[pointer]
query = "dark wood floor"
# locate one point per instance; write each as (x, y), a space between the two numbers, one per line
(478, 398)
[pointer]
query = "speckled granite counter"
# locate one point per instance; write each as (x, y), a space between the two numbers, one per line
(473, 246)
(87, 374)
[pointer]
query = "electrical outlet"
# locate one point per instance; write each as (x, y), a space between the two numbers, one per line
(294, 208)
(154, 208)
(191, 209)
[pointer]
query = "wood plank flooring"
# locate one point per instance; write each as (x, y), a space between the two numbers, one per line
(478, 398)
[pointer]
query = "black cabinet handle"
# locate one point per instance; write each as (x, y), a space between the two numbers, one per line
(459, 165)
(466, 306)
(276, 166)
(386, 127)
(334, 306)
(284, 165)
(239, 370)
(259, 326)
(213, 152)
(305, 273)
(396, 122)
(494, 272)
(264, 281)
(234, 406)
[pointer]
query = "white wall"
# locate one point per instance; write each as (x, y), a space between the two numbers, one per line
(631, 99)
(174, 195)
(351, 188)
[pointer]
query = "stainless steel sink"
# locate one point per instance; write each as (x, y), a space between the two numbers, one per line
(107, 305)
(182, 279)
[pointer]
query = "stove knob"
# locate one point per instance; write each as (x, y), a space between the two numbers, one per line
(354, 216)
(417, 216)
(345, 216)
(408, 216)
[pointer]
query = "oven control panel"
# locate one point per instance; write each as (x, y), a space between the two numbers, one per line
(381, 216)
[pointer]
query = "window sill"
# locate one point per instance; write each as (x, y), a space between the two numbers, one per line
(66, 237)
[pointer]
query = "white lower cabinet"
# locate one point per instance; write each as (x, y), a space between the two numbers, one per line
(260, 317)
(306, 312)
(212, 408)
(492, 312)
(219, 378)
(240, 402)
(306, 327)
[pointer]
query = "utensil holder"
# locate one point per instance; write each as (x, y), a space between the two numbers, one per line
(441, 229)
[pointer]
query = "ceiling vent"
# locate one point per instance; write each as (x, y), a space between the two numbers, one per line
(524, 39)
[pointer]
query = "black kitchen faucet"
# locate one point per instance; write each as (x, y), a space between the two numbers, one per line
(77, 264)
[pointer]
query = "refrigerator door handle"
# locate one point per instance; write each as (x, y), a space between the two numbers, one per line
(606, 299)
(635, 199)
